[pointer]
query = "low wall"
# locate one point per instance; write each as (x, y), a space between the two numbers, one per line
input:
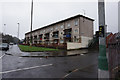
(75, 45)
(72, 45)
(85, 41)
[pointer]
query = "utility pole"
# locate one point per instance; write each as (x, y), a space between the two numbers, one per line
(31, 22)
(102, 59)
(18, 30)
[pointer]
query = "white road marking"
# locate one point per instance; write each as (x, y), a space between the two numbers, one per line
(81, 54)
(70, 73)
(20, 57)
(2, 56)
(25, 68)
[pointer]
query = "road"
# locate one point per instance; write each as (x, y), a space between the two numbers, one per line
(81, 66)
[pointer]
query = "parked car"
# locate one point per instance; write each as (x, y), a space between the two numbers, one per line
(11, 43)
(4, 46)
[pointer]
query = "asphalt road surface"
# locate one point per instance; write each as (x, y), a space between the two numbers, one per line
(81, 66)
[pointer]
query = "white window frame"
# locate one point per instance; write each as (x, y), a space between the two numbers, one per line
(61, 41)
(62, 26)
(68, 24)
(76, 30)
(51, 29)
(56, 28)
(76, 22)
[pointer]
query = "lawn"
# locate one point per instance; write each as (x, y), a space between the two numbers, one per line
(35, 49)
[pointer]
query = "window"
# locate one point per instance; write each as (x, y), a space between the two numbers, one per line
(61, 41)
(55, 41)
(51, 41)
(40, 32)
(68, 24)
(56, 27)
(76, 22)
(51, 29)
(62, 26)
(51, 34)
(76, 30)
(47, 30)
(40, 42)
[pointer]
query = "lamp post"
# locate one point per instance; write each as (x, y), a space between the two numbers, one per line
(84, 15)
(4, 28)
(102, 59)
(18, 30)
(31, 23)
(83, 11)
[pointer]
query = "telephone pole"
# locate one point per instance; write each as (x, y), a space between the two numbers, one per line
(31, 22)
(102, 59)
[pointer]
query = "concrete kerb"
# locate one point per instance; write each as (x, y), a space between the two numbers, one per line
(62, 53)
(51, 56)
(27, 55)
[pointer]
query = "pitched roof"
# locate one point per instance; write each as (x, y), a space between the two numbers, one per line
(60, 22)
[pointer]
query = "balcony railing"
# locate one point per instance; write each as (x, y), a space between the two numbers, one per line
(67, 35)
(46, 37)
(55, 36)
(35, 39)
(40, 38)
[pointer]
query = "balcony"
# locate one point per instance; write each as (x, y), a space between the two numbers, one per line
(35, 39)
(55, 36)
(67, 35)
(46, 38)
(40, 38)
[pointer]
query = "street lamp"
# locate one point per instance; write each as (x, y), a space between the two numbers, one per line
(83, 11)
(84, 15)
(18, 30)
(4, 28)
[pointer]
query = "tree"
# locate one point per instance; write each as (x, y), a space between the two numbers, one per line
(8, 38)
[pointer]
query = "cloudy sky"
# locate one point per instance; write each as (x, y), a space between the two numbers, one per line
(50, 11)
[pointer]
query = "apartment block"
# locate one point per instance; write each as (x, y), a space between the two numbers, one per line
(71, 33)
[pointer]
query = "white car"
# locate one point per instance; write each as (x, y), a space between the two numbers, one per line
(11, 43)
(4, 46)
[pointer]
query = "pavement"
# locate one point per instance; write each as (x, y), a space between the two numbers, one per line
(15, 51)
(79, 66)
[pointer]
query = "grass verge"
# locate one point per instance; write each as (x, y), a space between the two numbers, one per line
(35, 49)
